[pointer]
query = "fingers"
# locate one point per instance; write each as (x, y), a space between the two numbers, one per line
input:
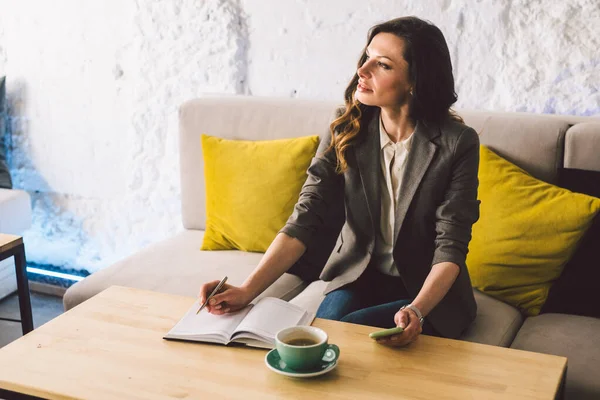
(401, 319)
(412, 329)
(219, 311)
(228, 299)
(221, 303)
(206, 289)
(217, 299)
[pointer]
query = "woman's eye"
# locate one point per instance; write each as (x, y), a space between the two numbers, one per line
(384, 66)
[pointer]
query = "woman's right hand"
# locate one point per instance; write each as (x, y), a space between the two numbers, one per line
(229, 299)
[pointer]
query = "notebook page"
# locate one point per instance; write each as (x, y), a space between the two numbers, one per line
(269, 316)
(195, 326)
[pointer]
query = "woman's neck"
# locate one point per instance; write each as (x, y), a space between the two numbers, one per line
(397, 123)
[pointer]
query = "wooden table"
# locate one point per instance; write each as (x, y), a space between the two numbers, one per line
(12, 246)
(111, 347)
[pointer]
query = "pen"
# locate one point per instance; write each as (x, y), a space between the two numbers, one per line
(215, 291)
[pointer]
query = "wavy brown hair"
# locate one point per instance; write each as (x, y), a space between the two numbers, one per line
(430, 71)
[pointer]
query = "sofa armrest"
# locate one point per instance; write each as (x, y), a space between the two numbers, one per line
(15, 211)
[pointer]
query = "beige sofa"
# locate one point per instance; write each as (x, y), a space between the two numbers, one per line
(538, 143)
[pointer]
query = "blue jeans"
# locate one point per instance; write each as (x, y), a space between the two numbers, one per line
(372, 300)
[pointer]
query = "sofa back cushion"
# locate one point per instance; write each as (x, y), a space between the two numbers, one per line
(532, 142)
(238, 117)
(582, 146)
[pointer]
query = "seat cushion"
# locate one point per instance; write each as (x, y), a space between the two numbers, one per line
(311, 297)
(571, 336)
(178, 266)
(496, 322)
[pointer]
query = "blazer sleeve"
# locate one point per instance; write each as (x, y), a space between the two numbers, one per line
(459, 210)
(323, 189)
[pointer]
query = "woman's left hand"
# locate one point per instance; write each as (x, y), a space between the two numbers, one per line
(412, 329)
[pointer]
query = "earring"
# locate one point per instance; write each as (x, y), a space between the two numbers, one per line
(411, 92)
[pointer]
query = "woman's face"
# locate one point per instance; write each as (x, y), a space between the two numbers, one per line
(383, 78)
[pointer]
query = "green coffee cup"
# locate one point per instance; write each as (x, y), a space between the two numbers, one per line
(305, 347)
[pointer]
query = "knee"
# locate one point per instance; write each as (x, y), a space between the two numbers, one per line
(332, 309)
(337, 304)
(353, 318)
(331, 313)
(369, 316)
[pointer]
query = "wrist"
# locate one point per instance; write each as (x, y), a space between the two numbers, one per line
(415, 310)
(249, 292)
(422, 307)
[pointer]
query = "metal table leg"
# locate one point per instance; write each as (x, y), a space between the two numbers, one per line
(23, 289)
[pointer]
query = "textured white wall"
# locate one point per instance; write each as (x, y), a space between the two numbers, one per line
(94, 89)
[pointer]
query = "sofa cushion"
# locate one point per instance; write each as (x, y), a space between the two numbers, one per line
(311, 297)
(178, 266)
(496, 322)
(533, 142)
(570, 336)
(581, 146)
(251, 189)
(15, 211)
(527, 231)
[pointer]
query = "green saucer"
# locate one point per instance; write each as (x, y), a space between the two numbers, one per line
(276, 364)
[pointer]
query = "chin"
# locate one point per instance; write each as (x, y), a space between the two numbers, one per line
(366, 99)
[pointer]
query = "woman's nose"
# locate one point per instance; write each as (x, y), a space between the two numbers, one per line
(363, 71)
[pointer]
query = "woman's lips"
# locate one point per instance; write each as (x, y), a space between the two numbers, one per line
(363, 88)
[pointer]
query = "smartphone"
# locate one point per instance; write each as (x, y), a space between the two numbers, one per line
(386, 333)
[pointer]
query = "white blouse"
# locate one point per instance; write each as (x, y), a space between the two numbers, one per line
(393, 163)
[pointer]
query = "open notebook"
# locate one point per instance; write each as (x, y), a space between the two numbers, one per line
(254, 325)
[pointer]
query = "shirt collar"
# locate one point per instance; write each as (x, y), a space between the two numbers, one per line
(384, 139)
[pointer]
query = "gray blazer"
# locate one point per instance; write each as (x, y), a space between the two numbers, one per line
(434, 215)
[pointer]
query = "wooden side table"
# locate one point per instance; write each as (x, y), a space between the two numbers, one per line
(12, 246)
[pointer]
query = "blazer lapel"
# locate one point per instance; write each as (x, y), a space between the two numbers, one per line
(368, 160)
(419, 158)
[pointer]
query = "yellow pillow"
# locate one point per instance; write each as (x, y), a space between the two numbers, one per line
(251, 189)
(527, 231)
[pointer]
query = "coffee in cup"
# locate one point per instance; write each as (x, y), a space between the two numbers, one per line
(301, 342)
(305, 347)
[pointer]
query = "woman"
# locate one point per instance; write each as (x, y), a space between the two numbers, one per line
(404, 168)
